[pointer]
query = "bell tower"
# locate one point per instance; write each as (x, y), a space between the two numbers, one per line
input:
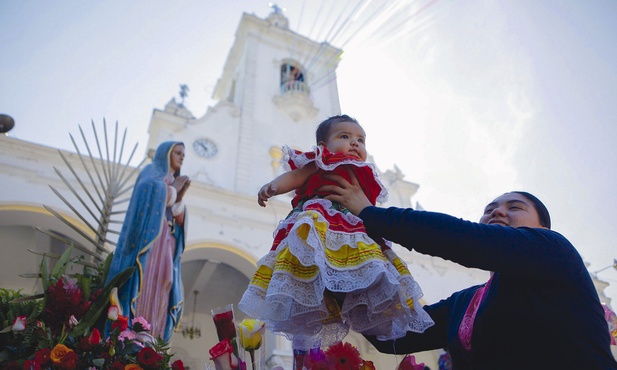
(276, 86)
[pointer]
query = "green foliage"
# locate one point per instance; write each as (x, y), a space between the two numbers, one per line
(100, 303)
(50, 318)
(11, 307)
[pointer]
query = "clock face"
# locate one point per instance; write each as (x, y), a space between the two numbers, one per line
(204, 147)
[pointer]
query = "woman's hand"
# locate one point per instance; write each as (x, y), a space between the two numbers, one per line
(349, 194)
(266, 192)
(181, 183)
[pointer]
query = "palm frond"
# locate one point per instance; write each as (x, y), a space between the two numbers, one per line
(100, 183)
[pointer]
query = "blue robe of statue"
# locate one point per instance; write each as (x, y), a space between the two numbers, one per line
(141, 228)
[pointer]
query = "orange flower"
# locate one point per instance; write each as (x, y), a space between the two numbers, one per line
(133, 367)
(58, 352)
(367, 365)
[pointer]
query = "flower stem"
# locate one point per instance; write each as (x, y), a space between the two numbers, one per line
(252, 353)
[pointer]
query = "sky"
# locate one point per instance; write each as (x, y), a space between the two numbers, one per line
(469, 99)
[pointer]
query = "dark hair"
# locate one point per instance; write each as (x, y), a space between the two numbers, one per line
(543, 215)
(324, 128)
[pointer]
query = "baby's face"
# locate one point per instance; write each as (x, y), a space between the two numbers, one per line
(347, 138)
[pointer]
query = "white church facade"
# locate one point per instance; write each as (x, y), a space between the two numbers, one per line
(275, 88)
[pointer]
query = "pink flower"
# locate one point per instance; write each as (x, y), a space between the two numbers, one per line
(140, 324)
(126, 334)
(73, 321)
(409, 363)
(19, 324)
(113, 312)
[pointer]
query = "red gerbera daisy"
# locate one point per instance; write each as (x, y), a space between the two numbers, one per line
(344, 356)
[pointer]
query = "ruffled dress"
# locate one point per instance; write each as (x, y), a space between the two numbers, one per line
(324, 275)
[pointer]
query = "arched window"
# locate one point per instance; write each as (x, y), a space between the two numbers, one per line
(292, 79)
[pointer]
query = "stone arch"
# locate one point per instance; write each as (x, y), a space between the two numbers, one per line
(21, 244)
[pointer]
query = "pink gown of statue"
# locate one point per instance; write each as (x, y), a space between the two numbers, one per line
(153, 301)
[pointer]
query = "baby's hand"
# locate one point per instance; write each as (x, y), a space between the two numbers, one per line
(266, 192)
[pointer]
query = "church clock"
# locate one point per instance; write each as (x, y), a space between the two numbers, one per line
(205, 148)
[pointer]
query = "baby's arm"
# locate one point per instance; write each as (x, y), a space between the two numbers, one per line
(286, 182)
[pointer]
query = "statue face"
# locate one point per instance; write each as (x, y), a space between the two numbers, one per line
(176, 157)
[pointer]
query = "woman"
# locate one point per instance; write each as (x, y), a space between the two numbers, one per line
(152, 239)
(539, 309)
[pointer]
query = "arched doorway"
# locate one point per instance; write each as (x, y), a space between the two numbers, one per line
(22, 244)
(219, 273)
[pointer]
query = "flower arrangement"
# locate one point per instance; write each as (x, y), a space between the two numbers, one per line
(343, 356)
(62, 328)
(241, 348)
(339, 356)
(240, 344)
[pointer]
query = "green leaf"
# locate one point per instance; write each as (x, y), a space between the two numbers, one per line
(106, 266)
(99, 304)
(30, 275)
(98, 362)
(85, 282)
(44, 275)
(62, 263)
(27, 298)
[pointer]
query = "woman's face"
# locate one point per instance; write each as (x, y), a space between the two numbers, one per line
(177, 157)
(511, 209)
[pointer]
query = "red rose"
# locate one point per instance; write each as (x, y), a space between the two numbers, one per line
(69, 361)
(148, 357)
(122, 323)
(42, 356)
(84, 345)
(177, 365)
(225, 327)
(95, 337)
(117, 365)
(31, 365)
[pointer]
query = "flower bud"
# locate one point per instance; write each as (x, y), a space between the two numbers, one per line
(19, 324)
(113, 312)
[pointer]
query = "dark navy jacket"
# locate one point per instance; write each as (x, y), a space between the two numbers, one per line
(542, 310)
